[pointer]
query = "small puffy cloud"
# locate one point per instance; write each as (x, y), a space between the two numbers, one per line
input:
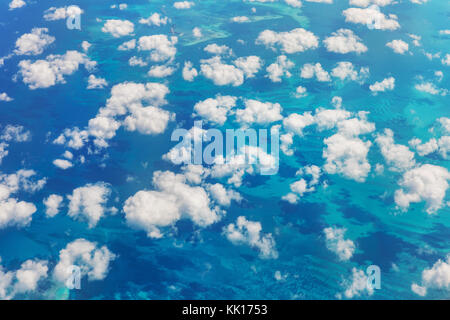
(62, 164)
(356, 285)
(33, 43)
(127, 45)
(214, 48)
(344, 41)
(189, 72)
(309, 70)
(216, 109)
(197, 32)
(430, 88)
(161, 71)
(183, 5)
(48, 72)
(240, 19)
(154, 20)
(85, 45)
(62, 13)
(14, 4)
(446, 60)
(297, 122)
(343, 248)
(257, 112)
(135, 61)
(92, 260)
(148, 120)
(387, 84)
(96, 83)
(345, 70)
(220, 73)
(118, 28)
(437, 278)
(249, 233)
(300, 92)
(223, 196)
(4, 97)
(294, 3)
(300, 187)
(399, 46)
(296, 40)
(52, 205)
(249, 65)
(371, 17)
(428, 183)
(72, 138)
(89, 202)
(15, 133)
(160, 46)
(279, 68)
(366, 3)
(397, 156)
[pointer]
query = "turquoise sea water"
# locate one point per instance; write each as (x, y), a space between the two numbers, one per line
(200, 263)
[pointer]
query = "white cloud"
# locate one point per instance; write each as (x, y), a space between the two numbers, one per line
(343, 248)
(386, 84)
(135, 61)
(397, 156)
(223, 196)
(189, 72)
(300, 187)
(148, 120)
(366, 3)
(221, 74)
(93, 261)
(446, 60)
(427, 183)
(296, 40)
(63, 164)
(249, 233)
(54, 13)
(154, 20)
(172, 200)
(279, 68)
(197, 32)
(73, 138)
(52, 205)
(96, 83)
(162, 48)
(431, 88)
(257, 112)
(296, 122)
(4, 97)
(48, 72)
(214, 48)
(249, 65)
(85, 46)
(294, 3)
(127, 45)
(88, 202)
(14, 4)
(240, 19)
(309, 70)
(15, 133)
(345, 70)
(161, 71)
(437, 277)
(399, 46)
(215, 110)
(372, 17)
(183, 4)
(118, 28)
(344, 41)
(357, 285)
(300, 92)
(33, 43)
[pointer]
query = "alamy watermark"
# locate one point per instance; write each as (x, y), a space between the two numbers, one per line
(74, 279)
(373, 277)
(73, 20)
(244, 146)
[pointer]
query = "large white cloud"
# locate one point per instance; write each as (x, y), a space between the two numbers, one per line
(428, 183)
(14, 4)
(48, 72)
(118, 28)
(52, 205)
(309, 71)
(279, 68)
(220, 73)
(345, 70)
(372, 17)
(161, 47)
(92, 260)
(344, 41)
(437, 277)
(33, 43)
(189, 72)
(296, 40)
(88, 202)
(397, 156)
(399, 46)
(249, 233)
(249, 65)
(215, 109)
(257, 112)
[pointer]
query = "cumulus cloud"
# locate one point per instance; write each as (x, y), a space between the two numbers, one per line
(62, 164)
(300, 187)
(33, 43)
(214, 48)
(240, 19)
(428, 183)
(249, 233)
(183, 5)
(189, 72)
(372, 17)
(257, 112)
(62, 13)
(397, 156)
(4, 97)
(345, 70)
(309, 71)
(52, 205)
(437, 277)
(161, 71)
(399, 46)
(356, 285)
(49, 72)
(343, 248)
(160, 46)
(72, 138)
(93, 261)
(294, 3)
(279, 68)
(296, 40)
(15, 134)
(14, 4)
(249, 65)
(387, 84)
(220, 73)
(344, 41)
(366, 3)
(127, 45)
(216, 109)
(88, 202)
(96, 83)
(154, 20)
(135, 61)
(118, 28)
(430, 88)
